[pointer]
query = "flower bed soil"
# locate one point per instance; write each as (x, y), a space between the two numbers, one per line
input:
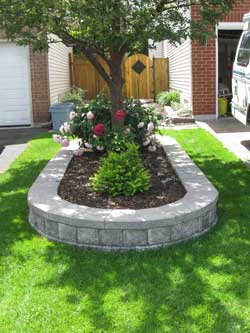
(165, 185)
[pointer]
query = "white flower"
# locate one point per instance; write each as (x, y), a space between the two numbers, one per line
(56, 138)
(150, 126)
(140, 125)
(127, 130)
(66, 127)
(61, 129)
(146, 142)
(72, 115)
(90, 115)
(151, 148)
(78, 152)
(100, 148)
(88, 145)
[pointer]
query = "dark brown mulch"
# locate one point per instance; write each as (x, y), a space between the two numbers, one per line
(1, 149)
(246, 144)
(165, 185)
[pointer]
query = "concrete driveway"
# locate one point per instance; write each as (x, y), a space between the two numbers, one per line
(231, 133)
(11, 136)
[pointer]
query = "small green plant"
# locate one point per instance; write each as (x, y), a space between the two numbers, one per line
(168, 97)
(75, 95)
(121, 174)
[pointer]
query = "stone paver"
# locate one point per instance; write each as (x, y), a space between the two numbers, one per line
(231, 133)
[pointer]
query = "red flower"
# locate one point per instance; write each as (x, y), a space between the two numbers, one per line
(120, 115)
(99, 129)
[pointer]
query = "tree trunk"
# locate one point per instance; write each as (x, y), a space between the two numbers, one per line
(116, 87)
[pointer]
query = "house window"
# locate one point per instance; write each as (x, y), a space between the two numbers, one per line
(244, 51)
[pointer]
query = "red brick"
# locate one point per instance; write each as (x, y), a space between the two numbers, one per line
(204, 64)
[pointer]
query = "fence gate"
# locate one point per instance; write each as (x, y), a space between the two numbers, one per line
(144, 77)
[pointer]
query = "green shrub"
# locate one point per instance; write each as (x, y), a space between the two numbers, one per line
(139, 124)
(75, 95)
(121, 174)
(168, 97)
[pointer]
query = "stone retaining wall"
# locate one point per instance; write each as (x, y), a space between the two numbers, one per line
(124, 229)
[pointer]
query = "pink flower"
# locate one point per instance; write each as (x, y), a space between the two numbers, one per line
(90, 115)
(78, 152)
(152, 148)
(140, 125)
(65, 142)
(120, 115)
(99, 129)
(72, 115)
(150, 126)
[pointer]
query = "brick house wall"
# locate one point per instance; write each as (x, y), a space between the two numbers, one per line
(204, 65)
(39, 73)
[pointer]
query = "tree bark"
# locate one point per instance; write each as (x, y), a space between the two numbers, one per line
(116, 87)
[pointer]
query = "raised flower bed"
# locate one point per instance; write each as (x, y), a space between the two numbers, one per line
(124, 229)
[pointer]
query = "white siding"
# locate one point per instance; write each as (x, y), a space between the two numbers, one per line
(180, 69)
(59, 71)
(157, 51)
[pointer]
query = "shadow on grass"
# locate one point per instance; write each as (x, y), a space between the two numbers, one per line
(180, 287)
(201, 285)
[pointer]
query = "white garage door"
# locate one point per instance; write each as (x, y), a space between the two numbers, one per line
(15, 96)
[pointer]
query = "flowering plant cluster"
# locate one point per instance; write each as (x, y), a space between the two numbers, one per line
(92, 123)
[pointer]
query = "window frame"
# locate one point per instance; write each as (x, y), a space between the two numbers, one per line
(239, 63)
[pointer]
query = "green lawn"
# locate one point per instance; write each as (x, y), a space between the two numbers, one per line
(199, 286)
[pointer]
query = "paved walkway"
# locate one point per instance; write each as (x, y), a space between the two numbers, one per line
(231, 133)
(15, 141)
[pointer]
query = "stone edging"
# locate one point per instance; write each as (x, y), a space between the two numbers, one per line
(124, 229)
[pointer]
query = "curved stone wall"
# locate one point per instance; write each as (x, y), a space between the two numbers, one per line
(124, 229)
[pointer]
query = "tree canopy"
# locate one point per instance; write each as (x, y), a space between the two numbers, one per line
(107, 28)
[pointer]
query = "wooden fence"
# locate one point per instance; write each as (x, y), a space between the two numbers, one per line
(144, 77)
